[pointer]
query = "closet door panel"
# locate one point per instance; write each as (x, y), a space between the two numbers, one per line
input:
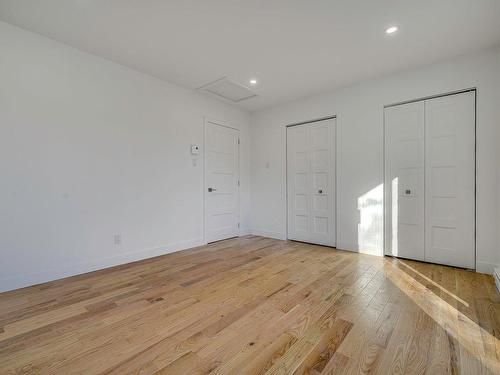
(404, 181)
(450, 180)
(298, 171)
(322, 189)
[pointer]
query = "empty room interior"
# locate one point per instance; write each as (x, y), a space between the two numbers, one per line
(249, 187)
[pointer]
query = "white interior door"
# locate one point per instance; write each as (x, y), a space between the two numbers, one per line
(404, 180)
(450, 180)
(311, 182)
(221, 182)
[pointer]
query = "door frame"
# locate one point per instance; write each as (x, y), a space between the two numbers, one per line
(206, 121)
(335, 182)
(385, 191)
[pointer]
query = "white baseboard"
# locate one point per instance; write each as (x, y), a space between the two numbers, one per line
(244, 231)
(67, 270)
(356, 249)
(496, 276)
(481, 267)
(270, 234)
(21, 281)
(485, 267)
(346, 247)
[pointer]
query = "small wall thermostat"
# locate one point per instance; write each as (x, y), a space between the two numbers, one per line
(195, 149)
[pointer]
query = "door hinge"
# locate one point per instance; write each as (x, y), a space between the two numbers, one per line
(238, 182)
(238, 225)
(239, 141)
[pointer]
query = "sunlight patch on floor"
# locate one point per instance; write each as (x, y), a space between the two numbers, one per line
(467, 332)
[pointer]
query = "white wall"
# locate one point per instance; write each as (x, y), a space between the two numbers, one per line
(360, 151)
(90, 149)
(498, 163)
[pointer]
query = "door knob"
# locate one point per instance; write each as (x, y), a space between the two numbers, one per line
(211, 189)
(320, 191)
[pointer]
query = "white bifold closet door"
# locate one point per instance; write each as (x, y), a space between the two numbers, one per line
(311, 182)
(430, 180)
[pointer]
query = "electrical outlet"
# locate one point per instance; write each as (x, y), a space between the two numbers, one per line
(117, 239)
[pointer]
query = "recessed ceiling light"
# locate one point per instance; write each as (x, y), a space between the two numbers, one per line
(391, 30)
(253, 82)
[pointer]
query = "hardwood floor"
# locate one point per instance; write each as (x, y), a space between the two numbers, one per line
(255, 305)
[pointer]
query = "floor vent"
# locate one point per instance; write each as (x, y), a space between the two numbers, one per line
(229, 90)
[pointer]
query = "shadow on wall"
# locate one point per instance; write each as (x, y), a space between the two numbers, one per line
(371, 224)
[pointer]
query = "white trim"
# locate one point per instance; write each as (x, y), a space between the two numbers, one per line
(354, 248)
(347, 247)
(269, 234)
(220, 123)
(485, 267)
(59, 272)
(430, 97)
(336, 184)
(496, 276)
(207, 120)
(244, 231)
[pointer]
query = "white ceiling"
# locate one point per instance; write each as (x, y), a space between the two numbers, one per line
(295, 48)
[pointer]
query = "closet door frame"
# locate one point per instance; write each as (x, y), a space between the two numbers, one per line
(333, 177)
(472, 89)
